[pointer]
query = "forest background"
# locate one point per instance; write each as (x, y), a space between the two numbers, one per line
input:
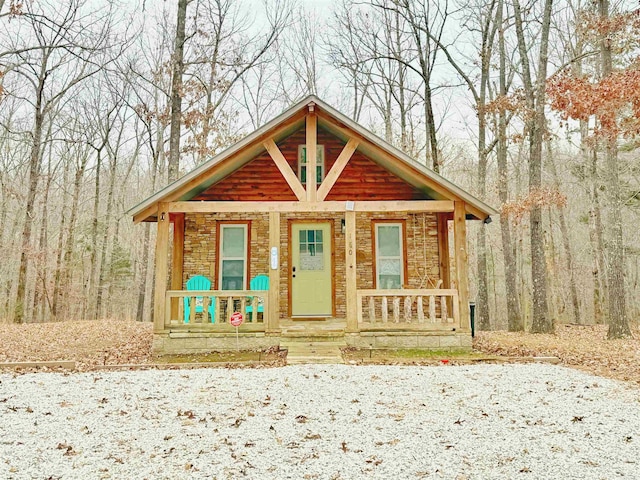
(532, 106)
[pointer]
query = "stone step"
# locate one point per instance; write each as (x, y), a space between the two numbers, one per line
(306, 344)
(303, 336)
(313, 351)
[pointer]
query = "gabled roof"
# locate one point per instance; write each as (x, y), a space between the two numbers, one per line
(234, 157)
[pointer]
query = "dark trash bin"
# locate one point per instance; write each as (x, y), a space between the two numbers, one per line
(472, 315)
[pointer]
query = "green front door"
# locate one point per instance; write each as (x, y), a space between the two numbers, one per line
(311, 272)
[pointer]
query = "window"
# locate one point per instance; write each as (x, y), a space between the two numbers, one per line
(232, 253)
(302, 164)
(311, 250)
(389, 255)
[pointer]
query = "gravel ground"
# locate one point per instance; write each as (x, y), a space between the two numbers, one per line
(319, 421)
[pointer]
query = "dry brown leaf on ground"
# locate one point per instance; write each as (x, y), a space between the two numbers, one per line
(89, 343)
(580, 346)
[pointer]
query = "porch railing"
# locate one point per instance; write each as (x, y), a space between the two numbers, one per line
(419, 309)
(253, 304)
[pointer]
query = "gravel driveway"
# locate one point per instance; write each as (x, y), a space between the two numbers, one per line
(320, 421)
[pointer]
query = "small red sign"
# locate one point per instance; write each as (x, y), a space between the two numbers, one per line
(236, 319)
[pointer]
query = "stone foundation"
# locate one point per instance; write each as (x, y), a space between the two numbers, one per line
(429, 341)
(185, 343)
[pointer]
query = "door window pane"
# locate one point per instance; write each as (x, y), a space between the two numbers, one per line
(311, 250)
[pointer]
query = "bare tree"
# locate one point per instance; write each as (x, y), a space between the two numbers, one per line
(535, 94)
(66, 43)
(618, 321)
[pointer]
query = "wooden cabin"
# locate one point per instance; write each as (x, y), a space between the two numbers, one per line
(373, 252)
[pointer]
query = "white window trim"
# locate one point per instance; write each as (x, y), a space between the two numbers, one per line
(394, 257)
(319, 161)
(221, 258)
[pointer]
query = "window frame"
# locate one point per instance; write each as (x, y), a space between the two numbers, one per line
(376, 256)
(320, 162)
(220, 226)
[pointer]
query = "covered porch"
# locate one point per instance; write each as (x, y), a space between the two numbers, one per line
(363, 316)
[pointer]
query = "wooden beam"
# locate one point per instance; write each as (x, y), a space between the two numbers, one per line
(432, 206)
(177, 259)
(461, 259)
(312, 142)
(333, 175)
(273, 321)
(444, 254)
(351, 275)
(443, 249)
(285, 169)
(162, 250)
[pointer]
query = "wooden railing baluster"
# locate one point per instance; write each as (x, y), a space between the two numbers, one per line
(432, 309)
(408, 309)
(372, 309)
(385, 310)
(396, 309)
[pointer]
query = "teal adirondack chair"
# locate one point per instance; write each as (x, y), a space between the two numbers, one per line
(260, 282)
(198, 282)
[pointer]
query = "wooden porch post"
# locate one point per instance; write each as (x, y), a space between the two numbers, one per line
(443, 249)
(273, 321)
(351, 277)
(162, 246)
(312, 134)
(177, 259)
(461, 259)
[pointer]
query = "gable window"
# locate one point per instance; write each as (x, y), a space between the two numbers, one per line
(302, 164)
(233, 256)
(389, 261)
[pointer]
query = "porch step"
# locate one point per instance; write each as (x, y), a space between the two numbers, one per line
(309, 337)
(303, 351)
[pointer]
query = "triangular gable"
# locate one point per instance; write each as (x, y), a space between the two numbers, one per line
(233, 160)
(361, 178)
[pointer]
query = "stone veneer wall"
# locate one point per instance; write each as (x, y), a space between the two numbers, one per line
(421, 249)
(200, 243)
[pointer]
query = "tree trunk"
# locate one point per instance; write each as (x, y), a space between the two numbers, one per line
(618, 321)
(39, 297)
(57, 277)
(91, 289)
(514, 318)
(142, 288)
(70, 243)
(105, 244)
(35, 160)
(176, 92)
(536, 126)
(158, 157)
(566, 244)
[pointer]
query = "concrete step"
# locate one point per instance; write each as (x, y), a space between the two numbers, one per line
(313, 351)
(303, 336)
(307, 344)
